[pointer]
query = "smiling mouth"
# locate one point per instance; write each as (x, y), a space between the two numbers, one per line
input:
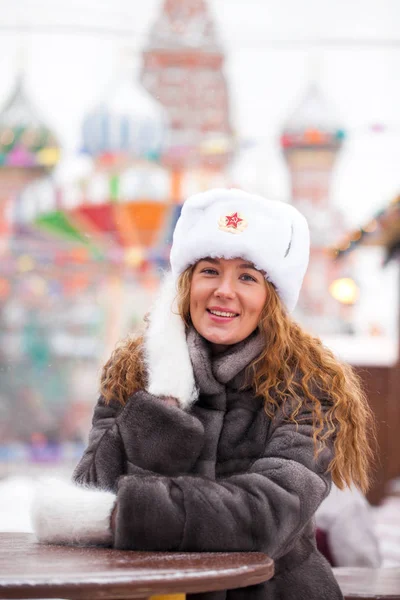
(220, 313)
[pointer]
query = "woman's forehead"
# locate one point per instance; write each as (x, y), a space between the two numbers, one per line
(239, 261)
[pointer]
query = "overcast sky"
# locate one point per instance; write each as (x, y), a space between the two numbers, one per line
(273, 49)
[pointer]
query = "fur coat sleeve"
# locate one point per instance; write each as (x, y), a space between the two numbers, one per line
(126, 439)
(263, 509)
(104, 448)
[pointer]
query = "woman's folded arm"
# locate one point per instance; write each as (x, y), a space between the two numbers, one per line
(149, 433)
(261, 510)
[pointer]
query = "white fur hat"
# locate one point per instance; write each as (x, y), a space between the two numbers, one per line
(230, 223)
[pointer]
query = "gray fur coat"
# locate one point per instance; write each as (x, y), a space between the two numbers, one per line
(219, 476)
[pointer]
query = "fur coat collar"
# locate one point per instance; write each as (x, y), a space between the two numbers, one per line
(213, 372)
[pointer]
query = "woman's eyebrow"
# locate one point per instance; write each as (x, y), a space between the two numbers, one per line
(247, 266)
(214, 261)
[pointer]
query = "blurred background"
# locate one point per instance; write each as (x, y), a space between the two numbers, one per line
(111, 114)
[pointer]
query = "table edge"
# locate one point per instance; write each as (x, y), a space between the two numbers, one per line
(121, 587)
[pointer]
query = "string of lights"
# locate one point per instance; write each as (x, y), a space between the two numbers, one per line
(380, 223)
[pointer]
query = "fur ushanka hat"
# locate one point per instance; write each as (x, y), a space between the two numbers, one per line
(222, 223)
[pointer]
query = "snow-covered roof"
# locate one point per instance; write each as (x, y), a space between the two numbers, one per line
(18, 110)
(313, 112)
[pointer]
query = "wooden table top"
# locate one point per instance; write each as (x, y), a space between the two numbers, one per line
(32, 570)
(366, 583)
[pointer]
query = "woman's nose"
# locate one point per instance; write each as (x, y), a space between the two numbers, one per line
(225, 289)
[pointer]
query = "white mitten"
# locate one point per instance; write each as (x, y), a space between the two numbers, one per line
(66, 513)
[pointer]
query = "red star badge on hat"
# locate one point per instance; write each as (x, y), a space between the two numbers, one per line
(234, 223)
(233, 220)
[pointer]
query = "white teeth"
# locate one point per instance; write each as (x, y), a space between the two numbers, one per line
(219, 313)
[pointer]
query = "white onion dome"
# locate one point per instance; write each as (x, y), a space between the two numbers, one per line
(130, 122)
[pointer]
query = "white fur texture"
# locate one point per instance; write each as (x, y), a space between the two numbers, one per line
(346, 516)
(170, 371)
(276, 239)
(65, 513)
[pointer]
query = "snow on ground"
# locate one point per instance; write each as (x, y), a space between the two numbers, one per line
(16, 495)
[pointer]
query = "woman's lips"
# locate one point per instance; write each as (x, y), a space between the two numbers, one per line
(220, 318)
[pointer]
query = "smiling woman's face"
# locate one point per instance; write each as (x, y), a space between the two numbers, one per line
(226, 300)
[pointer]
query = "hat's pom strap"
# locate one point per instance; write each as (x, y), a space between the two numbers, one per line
(170, 371)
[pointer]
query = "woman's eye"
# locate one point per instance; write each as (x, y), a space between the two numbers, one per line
(210, 271)
(247, 277)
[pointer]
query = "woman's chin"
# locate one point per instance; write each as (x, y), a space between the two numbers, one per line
(218, 339)
(216, 334)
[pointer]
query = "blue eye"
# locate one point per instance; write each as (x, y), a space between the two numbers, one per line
(248, 277)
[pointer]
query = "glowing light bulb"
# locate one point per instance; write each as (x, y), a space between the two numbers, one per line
(345, 290)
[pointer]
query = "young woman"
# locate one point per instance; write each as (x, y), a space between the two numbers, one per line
(222, 427)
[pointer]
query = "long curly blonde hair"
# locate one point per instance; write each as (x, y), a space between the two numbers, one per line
(294, 370)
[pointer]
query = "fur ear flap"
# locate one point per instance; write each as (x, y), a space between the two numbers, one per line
(170, 371)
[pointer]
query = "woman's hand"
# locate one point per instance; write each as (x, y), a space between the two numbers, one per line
(169, 400)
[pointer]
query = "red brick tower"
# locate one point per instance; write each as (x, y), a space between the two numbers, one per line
(311, 141)
(183, 70)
